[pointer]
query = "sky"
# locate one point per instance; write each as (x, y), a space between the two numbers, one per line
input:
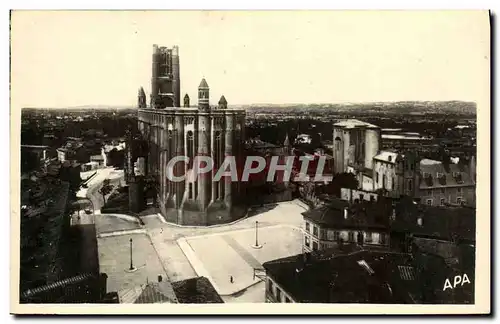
(66, 59)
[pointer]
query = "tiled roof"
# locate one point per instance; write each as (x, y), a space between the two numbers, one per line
(450, 175)
(150, 293)
(364, 214)
(196, 291)
(448, 223)
(363, 277)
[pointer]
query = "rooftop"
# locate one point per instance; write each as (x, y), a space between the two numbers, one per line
(196, 291)
(333, 276)
(150, 293)
(364, 214)
(437, 175)
(404, 137)
(386, 156)
(203, 84)
(353, 123)
(447, 223)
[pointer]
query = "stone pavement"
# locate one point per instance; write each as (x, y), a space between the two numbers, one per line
(219, 256)
(114, 260)
(216, 252)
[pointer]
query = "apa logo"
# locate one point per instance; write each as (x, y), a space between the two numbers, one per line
(457, 280)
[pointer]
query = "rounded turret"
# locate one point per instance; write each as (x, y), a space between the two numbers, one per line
(222, 102)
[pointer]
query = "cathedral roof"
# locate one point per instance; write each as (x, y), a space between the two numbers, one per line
(222, 100)
(203, 84)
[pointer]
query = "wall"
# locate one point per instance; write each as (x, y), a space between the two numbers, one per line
(449, 194)
(372, 144)
(384, 168)
(346, 194)
(366, 183)
(338, 150)
(327, 237)
(271, 292)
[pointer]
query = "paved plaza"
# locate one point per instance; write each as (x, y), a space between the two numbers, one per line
(114, 260)
(222, 255)
(218, 252)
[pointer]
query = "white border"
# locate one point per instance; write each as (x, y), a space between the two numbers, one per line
(255, 4)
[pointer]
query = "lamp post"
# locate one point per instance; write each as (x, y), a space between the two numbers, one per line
(257, 246)
(131, 263)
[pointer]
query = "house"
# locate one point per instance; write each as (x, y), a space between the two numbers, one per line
(338, 222)
(442, 184)
(363, 276)
(412, 223)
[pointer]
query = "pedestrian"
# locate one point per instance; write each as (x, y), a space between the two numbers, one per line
(231, 279)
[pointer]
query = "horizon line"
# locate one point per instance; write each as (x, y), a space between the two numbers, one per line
(93, 106)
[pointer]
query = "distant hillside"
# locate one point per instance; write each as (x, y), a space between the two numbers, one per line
(403, 107)
(398, 107)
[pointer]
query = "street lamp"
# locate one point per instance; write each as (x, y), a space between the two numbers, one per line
(131, 263)
(257, 245)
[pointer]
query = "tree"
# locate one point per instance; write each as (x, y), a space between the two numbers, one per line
(106, 189)
(342, 180)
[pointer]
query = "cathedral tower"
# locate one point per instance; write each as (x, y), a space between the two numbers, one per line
(203, 96)
(141, 98)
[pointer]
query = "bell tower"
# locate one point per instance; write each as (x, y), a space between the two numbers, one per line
(141, 98)
(203, 96)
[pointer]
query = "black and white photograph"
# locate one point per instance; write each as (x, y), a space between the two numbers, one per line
(250, 162)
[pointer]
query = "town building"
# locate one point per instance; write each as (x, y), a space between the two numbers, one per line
(358, 275)
(406, 141)
(170, 130)
(442, 184)
(397, 173)
(340, 222)
(355, 145)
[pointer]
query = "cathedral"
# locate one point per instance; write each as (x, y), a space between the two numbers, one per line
(171, 130)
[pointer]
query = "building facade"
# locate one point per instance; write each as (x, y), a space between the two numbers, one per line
(337, 223)
(355, 144)
(172, 131)
(452, 184)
